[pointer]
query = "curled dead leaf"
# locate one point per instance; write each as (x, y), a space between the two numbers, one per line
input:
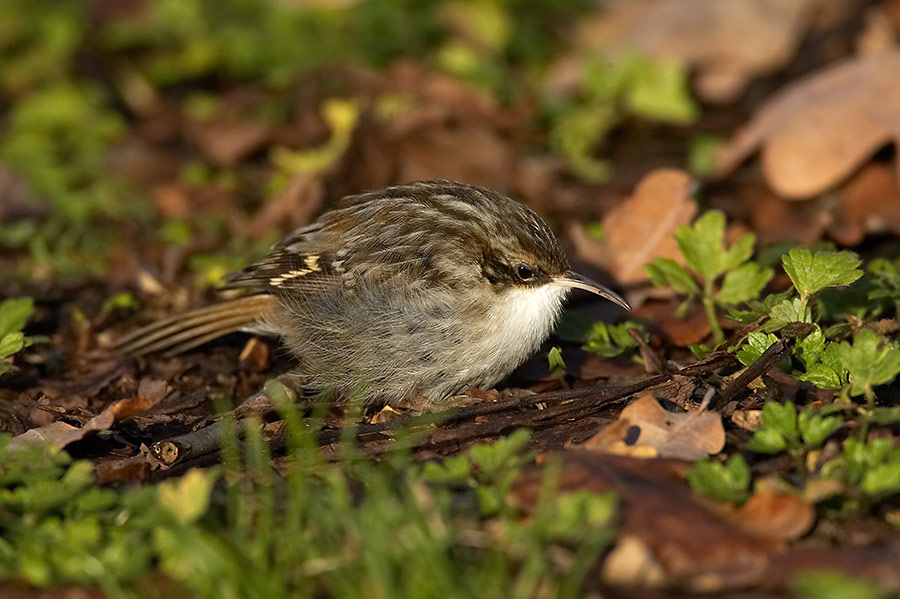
(641, 227)
(646, 429)
(813, 134)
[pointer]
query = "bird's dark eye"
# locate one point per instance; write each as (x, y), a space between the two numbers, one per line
(523, 271)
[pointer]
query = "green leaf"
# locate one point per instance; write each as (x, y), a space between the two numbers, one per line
(832, 584)
(743, 284)
(610, 340)
(555, 360)
(810, 348)
(665, 272)
(815, 428)
(822, 376)
(786, 312)
(188, 497)
(759, 308)
(884, 416)
(811, 272)
(702, 244)
(699, 350)
(11, 343)
(725, 482)
(739, 252)
(14, 313)
(782, 418)
(882, 480)
(870, 361)
(757, 343)
(767, 440)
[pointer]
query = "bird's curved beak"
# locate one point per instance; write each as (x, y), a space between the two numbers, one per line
(577, 281)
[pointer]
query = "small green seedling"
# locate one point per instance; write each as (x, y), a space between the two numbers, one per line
(783, 429)
(607, 340)
(707, 259)
(13, 315)
(812, 272)
(725, 482)
(885, 278)
(488, 469)
(871, 360)
(756, 343)
(871, 466)
(555, 362)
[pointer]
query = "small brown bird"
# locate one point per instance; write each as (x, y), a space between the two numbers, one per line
(421, 289)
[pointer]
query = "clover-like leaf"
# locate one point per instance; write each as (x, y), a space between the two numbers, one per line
(665, 272)
(725, 482)
(794, 310)
(812, 272)
(744, 283)
(870, 361)
(816, 428)
(757, 342)
(702, 244)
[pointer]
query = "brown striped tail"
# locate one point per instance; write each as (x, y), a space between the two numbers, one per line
(183, 332)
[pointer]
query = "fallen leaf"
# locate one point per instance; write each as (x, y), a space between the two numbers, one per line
(668, 533)
(60, 434)
(727, 43)
(774, 515)
(641, 227)
(646, 429)
(869, 203)
(813, 134)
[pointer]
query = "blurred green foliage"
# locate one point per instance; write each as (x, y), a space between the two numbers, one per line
(74, 75)
(316, 528)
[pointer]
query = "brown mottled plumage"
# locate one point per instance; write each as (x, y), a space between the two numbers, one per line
(421, 289)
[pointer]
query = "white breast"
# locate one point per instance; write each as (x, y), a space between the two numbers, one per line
(519, 323)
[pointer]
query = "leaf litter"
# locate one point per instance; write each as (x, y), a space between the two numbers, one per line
(825, 174)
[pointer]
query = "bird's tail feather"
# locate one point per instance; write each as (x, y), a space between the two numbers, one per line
(185, 331)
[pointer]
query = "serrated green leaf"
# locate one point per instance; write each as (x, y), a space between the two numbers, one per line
(810, 348)
(822, 376)
(740, 251)
(870, 361)
(767, 440)
(794, 310)
(725, 482)
(743, 284)
(882, 480)
(782, 418)
(756, 343)
(815, 428)
(665, 272)
(702, 244)
(811, 272)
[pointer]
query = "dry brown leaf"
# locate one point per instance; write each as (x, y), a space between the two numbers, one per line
(666, 531)
(646, 429)
(641, 227)
(60, 434)
(870, 203)
(727, 43)
(773, 515)
(817, 131)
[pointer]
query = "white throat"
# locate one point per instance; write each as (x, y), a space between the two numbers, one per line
(519, 322)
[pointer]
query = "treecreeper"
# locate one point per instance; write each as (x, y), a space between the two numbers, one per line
(413, 290)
